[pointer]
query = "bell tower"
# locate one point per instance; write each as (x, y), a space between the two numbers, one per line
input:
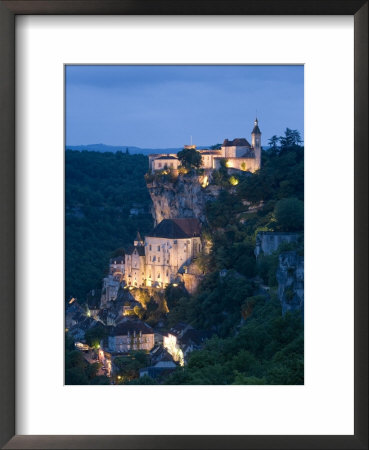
(256, 142)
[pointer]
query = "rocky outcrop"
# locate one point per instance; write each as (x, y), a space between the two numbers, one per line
(290, 277)
(185, 196)
(192, 277)
(268, 242)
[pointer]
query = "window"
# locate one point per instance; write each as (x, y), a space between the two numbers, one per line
(159, 259)
(158, 248)
(159, 164)
(150, 247)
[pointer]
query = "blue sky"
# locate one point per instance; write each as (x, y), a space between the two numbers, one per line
(162, 106)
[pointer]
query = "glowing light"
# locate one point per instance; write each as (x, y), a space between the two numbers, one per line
(233, 180)
(229, 164)
(175, 284)
(71, 300)
(204, 181)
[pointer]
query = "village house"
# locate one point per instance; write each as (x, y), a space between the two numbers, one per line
(116, 267)
(238, 154)
(112, 282)
(182, 339)
(130, 335)
(159, 370)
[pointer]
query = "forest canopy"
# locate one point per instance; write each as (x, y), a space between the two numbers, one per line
(100, 191)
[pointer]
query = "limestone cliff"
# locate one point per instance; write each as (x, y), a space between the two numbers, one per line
(290, 277)
(184, 196)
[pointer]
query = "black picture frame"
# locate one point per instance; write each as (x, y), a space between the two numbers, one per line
(8, 12)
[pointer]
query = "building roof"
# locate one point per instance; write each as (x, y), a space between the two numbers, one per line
(238, 142)
(195, 337)
(256, 129)
(177, 228)
(131, 326)
(166, 157)
(117, 260)
(140, 249)
(179, 328)
(138, 237)
(249, 153)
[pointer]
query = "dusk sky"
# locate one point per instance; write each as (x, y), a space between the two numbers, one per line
(162, 106)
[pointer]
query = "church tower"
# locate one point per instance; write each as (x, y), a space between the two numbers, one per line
(256, 142)
(138, 242)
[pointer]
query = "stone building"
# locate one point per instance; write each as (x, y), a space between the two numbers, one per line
(135, 263)
(168, 250)
(165, 162)
(131, 335)
(238, 153)
(112, 282)
(154, 156)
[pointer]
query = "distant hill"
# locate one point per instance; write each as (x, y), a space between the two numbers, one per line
(132, 150)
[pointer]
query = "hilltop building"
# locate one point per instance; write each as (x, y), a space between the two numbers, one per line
(168, 250)
(238, 154)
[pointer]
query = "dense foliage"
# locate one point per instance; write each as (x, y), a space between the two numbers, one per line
(267, 349)
(100, 190)
(78, 370)
(253, 343)
(190, 158)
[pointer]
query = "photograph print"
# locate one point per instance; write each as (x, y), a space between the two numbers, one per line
(184, 225)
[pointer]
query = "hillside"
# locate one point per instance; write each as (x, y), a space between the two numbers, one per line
(100, 191)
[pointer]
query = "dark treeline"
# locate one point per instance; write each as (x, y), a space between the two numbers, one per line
(100, 190)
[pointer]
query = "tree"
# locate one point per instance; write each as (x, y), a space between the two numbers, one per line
(273, 142)
(190, 158)
(291, 138)
(289, 213)
(215, 147)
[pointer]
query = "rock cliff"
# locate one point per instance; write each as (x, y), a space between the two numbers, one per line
(185, 196)
(290, 277)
